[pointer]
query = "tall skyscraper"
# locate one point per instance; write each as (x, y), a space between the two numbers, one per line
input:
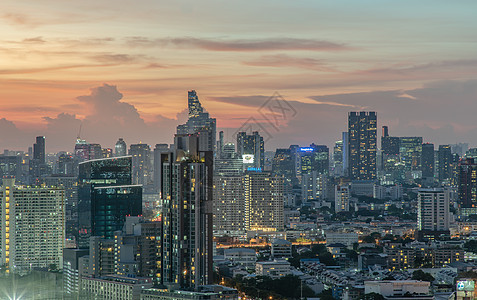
(105, 197)
(141, 164)
(39, 150)
(427, 160)
(410, 151)
(314, 158)
(199, 122)
(229, 163)
(432, 210)
(38, 166)
(445, 162)
(32, 231)
(263, 201)
(467, 187)
(362, 137)
(87, 151)
(251, 148)
(120, 148)
(158, 150)
(338, 170)
(187, 192)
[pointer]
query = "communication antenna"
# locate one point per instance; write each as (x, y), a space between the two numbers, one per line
(79, 132)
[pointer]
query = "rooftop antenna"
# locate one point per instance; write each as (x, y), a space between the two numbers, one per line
(79, 132)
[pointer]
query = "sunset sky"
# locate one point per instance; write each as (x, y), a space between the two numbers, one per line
(123, 68)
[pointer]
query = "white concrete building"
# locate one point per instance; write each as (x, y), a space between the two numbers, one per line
(388, 288)
(346, 238)
(273, 269)
(241, 256)
(433, 210)
(33, 227)
(115, 287)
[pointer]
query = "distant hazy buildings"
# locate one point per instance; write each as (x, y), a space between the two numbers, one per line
(362, 137)
(142, 170)
(427, 160)
(120, 148)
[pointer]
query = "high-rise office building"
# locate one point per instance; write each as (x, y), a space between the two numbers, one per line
(345, 137)
(251, 148)
(137, 249)
(71, 266)
(141, 164)
(389, 144)
(70, 185)
(467, 187)
(39, 150)
(342, 195)
(283, 165)
(187, 192)
(199, 122)
(120, 148)
(313, 186)
(314, 158)
(263, 201)
(158, 150)
(433, 210)
(445, 163)
(410, 151)
(67, 165)
(229, 163)
(38, 166)
(87, 151)
(362, 137)
(32, 231)
(338, 170)
(105, 197)
(427, 160)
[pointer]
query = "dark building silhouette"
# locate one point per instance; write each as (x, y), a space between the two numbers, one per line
(187, 181)
(445, 162)
(427, 160)
(362, 135)
(467, 187)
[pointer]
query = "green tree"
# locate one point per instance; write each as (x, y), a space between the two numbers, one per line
(421, 275)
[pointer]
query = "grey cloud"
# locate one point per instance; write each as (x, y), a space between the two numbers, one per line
(267, 44)
(283, 60)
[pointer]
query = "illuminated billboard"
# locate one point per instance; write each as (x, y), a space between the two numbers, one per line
(306, 149)
(248, 158)
(465, 285)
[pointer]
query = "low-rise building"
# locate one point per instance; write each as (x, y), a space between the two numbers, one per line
(281, 248)
(273, 269)
(395, 288)
(206, 292)
(241, 256)
(116, 287)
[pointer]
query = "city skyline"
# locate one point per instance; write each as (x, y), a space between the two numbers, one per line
(121, 71)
